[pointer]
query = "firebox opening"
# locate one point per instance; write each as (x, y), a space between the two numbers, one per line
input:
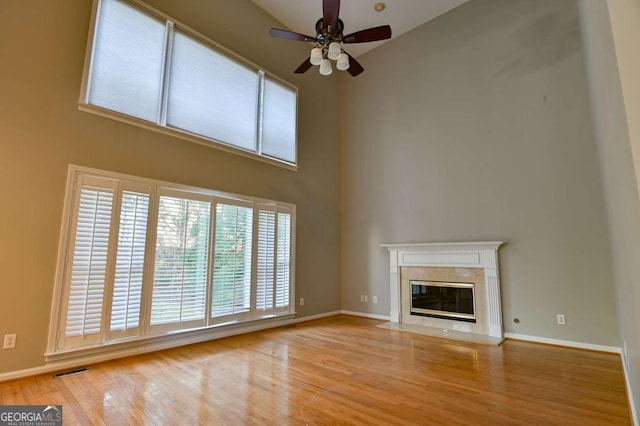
(448, 300)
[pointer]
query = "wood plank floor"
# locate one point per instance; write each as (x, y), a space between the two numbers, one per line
(340, 370)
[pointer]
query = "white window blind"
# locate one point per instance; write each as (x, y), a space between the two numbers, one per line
(181, 261)
(88, 264)
(129, 267)
(232, 265)
(141, 64)
(142, 258)
(279, 121)
(265, 261)
(211, 94)
(128, 54)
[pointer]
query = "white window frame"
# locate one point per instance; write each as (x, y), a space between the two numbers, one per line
(145, 331)
(160, 126)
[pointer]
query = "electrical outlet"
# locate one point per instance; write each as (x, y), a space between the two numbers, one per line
(9, 341)
(561, 319)
(302, 301)
(366, 298)
(375, 299)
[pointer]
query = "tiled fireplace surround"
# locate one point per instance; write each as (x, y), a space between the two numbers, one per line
(474, 262)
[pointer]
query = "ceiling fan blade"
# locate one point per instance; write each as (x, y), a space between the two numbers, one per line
(304, 67)
(354, 66)
(370, 34)
(290, 35)
(330, 11)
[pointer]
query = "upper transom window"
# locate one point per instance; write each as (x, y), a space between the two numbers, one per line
(146, 69)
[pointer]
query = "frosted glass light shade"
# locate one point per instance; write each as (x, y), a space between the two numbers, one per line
(343, 62)
(334, 51)
(325, 67)
(316, 56)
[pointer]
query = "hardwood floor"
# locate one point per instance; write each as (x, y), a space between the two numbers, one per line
(340, 370)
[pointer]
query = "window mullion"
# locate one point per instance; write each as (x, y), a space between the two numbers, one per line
(150, 257)
(183, 267)
(255, 230)
(166, 74)
(212, 255)
(274, 275)
(260, 112)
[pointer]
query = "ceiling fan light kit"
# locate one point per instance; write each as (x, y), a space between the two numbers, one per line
(329, 39)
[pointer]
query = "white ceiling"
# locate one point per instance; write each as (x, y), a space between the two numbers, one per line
(402, 15)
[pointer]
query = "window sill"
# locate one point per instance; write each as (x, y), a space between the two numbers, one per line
(181, 134)
(139, 345)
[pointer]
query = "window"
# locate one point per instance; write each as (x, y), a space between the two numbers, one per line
(212, 95)
(279, 121)
(126, 69)
(149, 70)
(181, 262)
(143, 258)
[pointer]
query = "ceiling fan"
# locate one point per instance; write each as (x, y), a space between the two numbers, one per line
(328, 38)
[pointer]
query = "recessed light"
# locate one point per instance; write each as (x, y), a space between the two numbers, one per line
(379, 7)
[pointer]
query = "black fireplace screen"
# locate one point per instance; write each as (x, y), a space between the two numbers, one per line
(443, 300)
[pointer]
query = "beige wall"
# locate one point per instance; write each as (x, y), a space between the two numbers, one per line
(611, 31)
(42, 46)
(476, 126)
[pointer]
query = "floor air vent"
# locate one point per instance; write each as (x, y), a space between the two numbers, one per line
(70, 373)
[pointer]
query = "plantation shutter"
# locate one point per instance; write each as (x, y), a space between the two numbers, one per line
(181, 262)
(231, 295)
(87, 272)
(129, 267)
(283, 268)
(140, 258)
(265, 261)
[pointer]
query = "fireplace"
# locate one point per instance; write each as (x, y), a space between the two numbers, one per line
(451, 287)
(444, 300)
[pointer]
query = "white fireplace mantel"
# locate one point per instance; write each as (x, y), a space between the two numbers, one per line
(482, 254)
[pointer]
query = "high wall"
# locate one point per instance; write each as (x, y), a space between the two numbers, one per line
(42, 47)
(611, 31)
(477, 127)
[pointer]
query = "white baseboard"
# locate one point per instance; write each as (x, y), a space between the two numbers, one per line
(315, 317)
(19, 374)
(366, 315)
(634, 411)
(568, 343)
(61, 362)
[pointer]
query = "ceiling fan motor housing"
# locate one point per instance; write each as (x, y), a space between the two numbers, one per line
(330, 34)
